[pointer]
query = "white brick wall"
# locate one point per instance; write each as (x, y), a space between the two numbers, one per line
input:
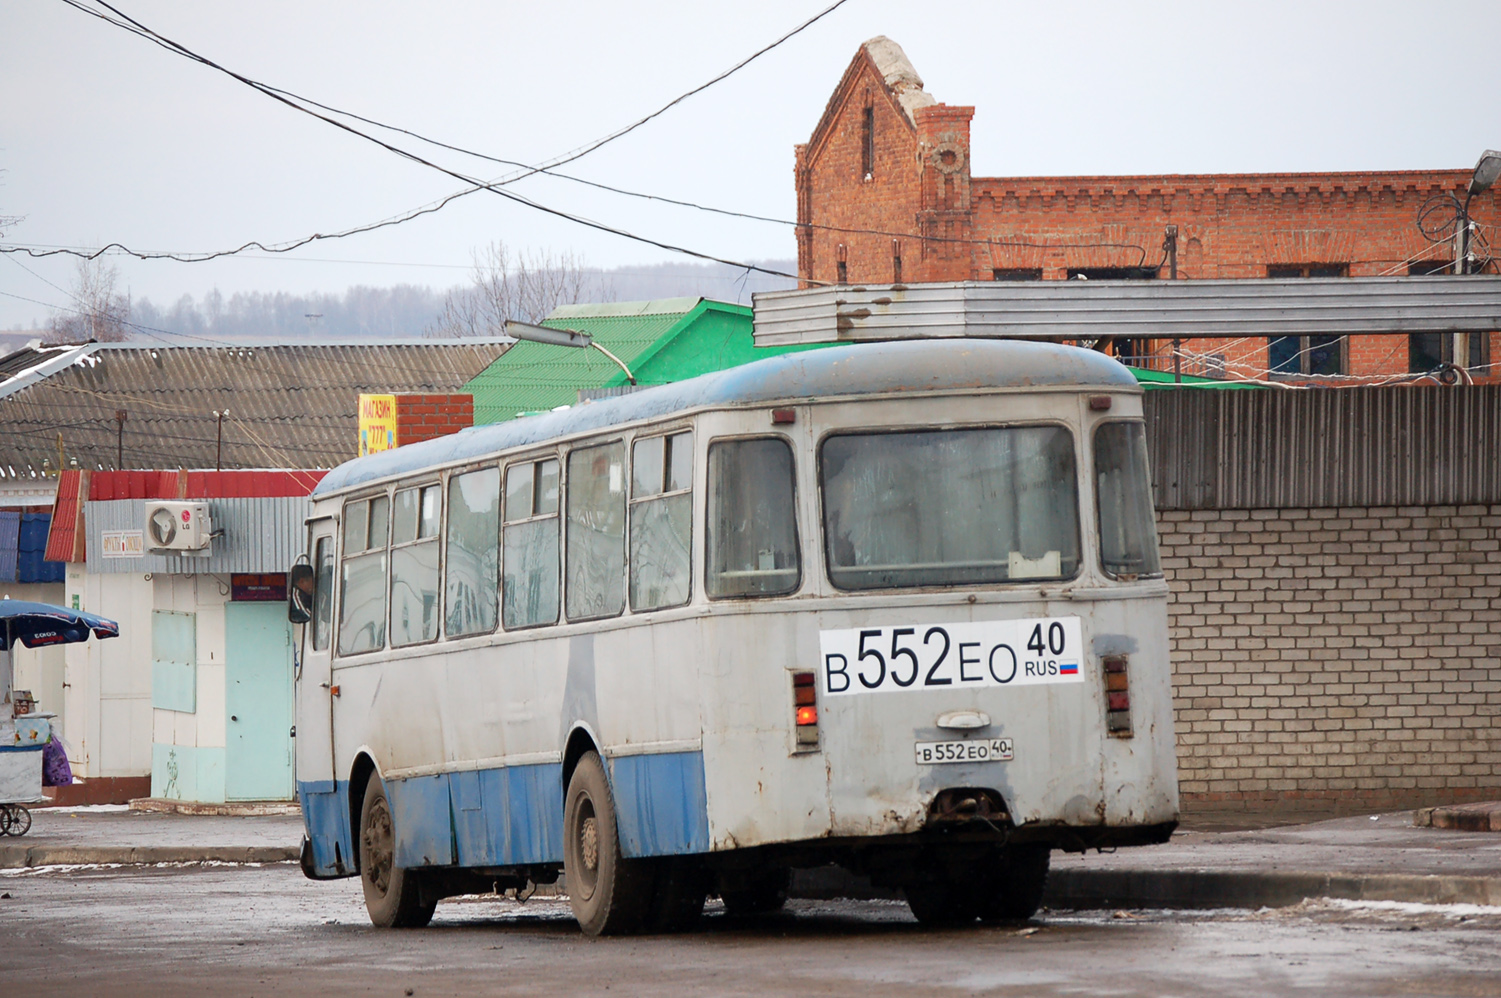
(1325, 658)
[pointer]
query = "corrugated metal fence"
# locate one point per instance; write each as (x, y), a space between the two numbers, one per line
(1392, 446)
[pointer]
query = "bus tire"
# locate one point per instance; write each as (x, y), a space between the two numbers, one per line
(392, 895)
(609, 894)
(682, 887)
(1013, 892)
(760, 894)
(939, 900)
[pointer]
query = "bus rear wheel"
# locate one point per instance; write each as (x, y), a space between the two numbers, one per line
(939, 900)
(609, 894)
(1013, 888)
(756, 892)
(392, 894)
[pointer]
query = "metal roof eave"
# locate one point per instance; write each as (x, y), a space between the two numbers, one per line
(1183, 309)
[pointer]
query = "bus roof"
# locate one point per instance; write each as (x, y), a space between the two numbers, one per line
(900, 367)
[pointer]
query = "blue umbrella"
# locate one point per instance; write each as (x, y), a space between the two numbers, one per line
(37, 624)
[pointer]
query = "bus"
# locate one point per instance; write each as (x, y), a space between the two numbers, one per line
(896, 607)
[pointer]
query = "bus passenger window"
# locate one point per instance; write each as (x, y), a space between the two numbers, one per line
(529, 593)
(323, 593)
(414, 568)
(472, 555)
(752, 520)
(661, 521)
(950, 507)
(1123, 493)
(362, 588)
(595, 585)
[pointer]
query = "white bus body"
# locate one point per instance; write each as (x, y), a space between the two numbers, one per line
(969, 584)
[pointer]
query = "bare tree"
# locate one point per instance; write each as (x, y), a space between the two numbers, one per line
(521, 286)
(99, 313)
(9, 221)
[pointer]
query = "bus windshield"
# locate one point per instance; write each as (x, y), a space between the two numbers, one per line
(950, 507)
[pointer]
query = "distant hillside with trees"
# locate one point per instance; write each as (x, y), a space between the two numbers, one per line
(502, 285)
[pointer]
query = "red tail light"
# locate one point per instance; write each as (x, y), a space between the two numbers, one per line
(805, 709)
(1117, 696)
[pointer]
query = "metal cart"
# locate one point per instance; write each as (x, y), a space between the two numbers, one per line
(24, 738)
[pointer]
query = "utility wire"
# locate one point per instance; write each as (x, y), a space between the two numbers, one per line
(137, 28)
(523, 170)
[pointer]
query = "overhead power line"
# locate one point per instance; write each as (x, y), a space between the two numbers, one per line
(127, 23)
(523, 170)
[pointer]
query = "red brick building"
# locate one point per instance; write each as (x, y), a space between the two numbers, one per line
(886, 194)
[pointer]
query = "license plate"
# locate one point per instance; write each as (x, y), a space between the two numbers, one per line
(995, 654)
(968, 750)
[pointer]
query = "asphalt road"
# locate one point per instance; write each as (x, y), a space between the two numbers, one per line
(267, 931)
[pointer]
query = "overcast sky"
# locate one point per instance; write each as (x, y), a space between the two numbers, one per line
(105, 137)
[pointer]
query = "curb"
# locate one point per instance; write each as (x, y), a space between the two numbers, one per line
(1066, 888)
(1195, 888)
(17, 856)
(1254, 889)
(1482, 817)
(240, 809)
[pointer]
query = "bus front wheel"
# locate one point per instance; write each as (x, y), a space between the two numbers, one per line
(609, 894)
(392, 895)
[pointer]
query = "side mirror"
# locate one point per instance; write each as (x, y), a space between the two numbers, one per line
(300, 586)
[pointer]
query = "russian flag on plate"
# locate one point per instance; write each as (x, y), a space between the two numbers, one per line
(1068, 668)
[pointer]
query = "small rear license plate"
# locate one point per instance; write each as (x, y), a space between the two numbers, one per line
(968, 750)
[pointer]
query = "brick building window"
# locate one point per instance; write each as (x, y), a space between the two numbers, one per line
(1427, 351)
(1292, 355)
(1430, 268)
(1308, 270)
(1113, 273)
(1016, 274)
(868, 143)
(1297, 355)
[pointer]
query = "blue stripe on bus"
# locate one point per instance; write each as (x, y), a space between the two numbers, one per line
(508, 817)
(513, 816)
(325, 815)
(420, 812)
(661, 805)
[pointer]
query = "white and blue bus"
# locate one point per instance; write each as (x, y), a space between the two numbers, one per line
(896, 607)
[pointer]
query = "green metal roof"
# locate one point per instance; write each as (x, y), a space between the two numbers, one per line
(1165, 379)
(536, 377)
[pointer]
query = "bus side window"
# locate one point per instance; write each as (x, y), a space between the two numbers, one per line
(362, 589)
(1123, 495)
(472, 555)
(529, 589)
(323, 593)
(661, 521)
(752, 519)
(596, 532)
(414, 566)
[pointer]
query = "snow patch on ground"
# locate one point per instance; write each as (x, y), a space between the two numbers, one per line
(1415, 908)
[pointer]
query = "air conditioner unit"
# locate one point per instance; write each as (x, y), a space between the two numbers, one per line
(178, 526)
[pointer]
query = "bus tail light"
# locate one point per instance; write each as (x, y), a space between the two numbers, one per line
(805, 709)
(1117, 696)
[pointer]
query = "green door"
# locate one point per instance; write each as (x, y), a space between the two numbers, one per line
(258, 702)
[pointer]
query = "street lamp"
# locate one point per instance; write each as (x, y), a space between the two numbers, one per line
(1487, 171)
(563, 338)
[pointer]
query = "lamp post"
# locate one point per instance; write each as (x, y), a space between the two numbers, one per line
(563, 338)
(1487, 171)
